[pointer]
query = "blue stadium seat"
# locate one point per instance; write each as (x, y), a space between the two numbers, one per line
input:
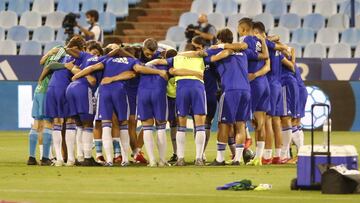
(327, 36)
(167, 43)
(93, 4)
(298, 49)
(19, 6)
(7, 47)
(68, 6)
(303, 36)
(82, 20)
(357, 21)
(351, 36)
(60, 35)
(30, 19)
(2, 34)
(226, 7)
(118, 7)
(267, 19)
(233, 20)
(44, 7)
(44, 34)
(217, 20)
(251, 8)
(301, 7)
(54, 20)
(357, 51)
(326, 8)
(283, 32)
(235, 34)
(188, 18)
(345, 8)
(50, 45)
(314, 21)
(8, 19)
(339, 21)
(182, 46)
(276, 7)
(315, 50)
(176, 34)
(30, 48)
(290, 21)
(202, 6)
(133, 2)
(107, 21)
(339, 51)
(18, 34)
(2, 5)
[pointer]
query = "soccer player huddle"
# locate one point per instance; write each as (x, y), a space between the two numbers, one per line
(92, 96)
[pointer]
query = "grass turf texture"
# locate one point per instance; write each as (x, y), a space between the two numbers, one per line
(19, 182)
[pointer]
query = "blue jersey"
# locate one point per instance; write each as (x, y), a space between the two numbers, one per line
(254, 46)
(286, 72)
(210, 75)
(153, 81)
(298, 77)
(116, 65)
(275, 63)
(86, 59)
(62, 77)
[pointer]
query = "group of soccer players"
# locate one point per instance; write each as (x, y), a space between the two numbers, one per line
(92, 96)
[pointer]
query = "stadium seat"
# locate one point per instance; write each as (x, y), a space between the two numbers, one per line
(19, 6)
(314, 21)
(339, 51)
(290, 21)
(326, 8)
(227, 7)
(30, 48)
(251, 8)
(68, 6)
(93, 4)
(44, 34)
(168, 43)
(283, 32)
(7, 47)
(176, 34)
(357, 21)
(267, 19)
(276, 7)
(298, 49)
(188, 18)
(133, 2)
(50, 45)
(303, 36)
(339, 22)
(107, 21)
(182, 46)
(2, 34)
(54, 20)
(235, 34)
(202, 6)
(2, 5)
(315, 50)
(18, 34)
(82, 20)
(351, 36)
(8, 19)
(118, 7)
(345, 8)
(217, 20)
(233, 20)
(300, 7)
(60, 35)
(327, 36)
(44, 7)
(30, 19)
(357, 51)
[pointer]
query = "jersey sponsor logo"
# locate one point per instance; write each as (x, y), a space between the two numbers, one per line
(6, 72)
(95, 58)
(121, 60)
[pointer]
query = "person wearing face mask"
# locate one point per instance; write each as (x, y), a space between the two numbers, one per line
(94, 31)
(204, 30)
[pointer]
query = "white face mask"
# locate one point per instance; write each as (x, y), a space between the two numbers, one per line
(88, 20)
(203, 25)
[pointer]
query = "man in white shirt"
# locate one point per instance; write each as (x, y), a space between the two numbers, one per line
(94, 31)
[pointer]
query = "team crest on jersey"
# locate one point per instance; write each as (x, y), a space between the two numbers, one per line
(121, 60)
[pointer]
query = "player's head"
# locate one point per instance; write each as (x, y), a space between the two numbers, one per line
(109, 48)
(77, 41)
(198, 42)
(259, 28)
(150, 46)
(90, 43)
(245, 26)
(170, 53)
(130, 49)
(225, 36)
(190, 47)
(203, 20)
(92, 16)
(95, 49)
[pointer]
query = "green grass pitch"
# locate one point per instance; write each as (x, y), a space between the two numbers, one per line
(19, 182)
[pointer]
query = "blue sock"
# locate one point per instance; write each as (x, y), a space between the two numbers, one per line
(117, 148)
(98, 147)
(33, 137)
(47, 138)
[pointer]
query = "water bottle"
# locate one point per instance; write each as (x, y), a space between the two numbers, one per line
(326, 127)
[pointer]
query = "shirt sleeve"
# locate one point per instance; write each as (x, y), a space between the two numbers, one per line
(251, 54)
(270, 44)
(170, 62)
(97, 31)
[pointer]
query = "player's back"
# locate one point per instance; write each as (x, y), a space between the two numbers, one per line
(117, 65)
(62, 77)
(153, 81)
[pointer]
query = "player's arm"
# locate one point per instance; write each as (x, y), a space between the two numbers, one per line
(274, 38)
(86, 71)
(156, 62)
(43, 74)
(221, 55)
(48, 54)
(207, 36)
(193, 54)
(264, 54)
(239, 46)
(150, 71)
(265, 69)
(186, 72)
(288, 64)
(127, 75)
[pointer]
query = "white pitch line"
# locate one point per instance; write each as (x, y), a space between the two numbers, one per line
(235, 195)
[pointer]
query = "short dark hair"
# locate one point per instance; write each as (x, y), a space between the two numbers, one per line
(170, 53)
(90, 43)
(93, 13)
(190, 47)
(259, 26)
(106, 50)
(225, 35)
(199, 40)
(96, 46)
(248, 21)
(150, 44)
(77, 41)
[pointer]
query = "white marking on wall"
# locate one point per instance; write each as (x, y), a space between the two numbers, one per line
(24, 106)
